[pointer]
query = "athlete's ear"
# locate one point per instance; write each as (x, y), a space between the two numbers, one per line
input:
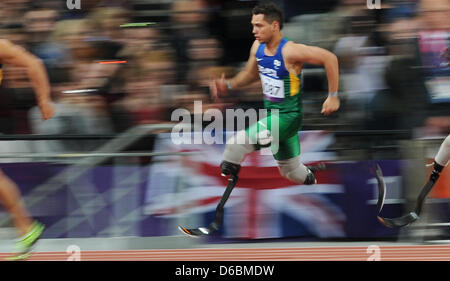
(275, 25)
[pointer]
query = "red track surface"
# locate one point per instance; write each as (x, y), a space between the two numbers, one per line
(335, 253)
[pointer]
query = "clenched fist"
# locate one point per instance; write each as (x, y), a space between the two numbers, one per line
(330, 105)
(218, 87)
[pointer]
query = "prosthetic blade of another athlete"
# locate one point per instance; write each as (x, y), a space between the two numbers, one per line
(413, 215)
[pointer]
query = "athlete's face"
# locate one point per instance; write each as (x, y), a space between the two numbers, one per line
(263, 30)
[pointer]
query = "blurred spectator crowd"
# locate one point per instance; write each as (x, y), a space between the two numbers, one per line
(392, 71)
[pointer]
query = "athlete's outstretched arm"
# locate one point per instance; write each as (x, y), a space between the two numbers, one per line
(246, 76)
(300, 53)
(16, 55)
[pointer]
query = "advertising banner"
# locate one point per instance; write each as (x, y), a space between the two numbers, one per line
(152, 200)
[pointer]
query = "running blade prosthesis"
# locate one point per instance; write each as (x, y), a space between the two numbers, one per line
(411, 216)
(197, 232)
(381, 187)
(202, 231)
(400, 221)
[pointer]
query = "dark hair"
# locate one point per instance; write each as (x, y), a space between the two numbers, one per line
(270, 11)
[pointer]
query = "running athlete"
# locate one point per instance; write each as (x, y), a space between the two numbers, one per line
(278, 63)
(441, 160)
(29, 230)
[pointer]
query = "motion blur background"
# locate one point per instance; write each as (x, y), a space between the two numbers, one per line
(395, 111)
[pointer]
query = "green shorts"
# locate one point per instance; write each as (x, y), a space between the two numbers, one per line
(284, 142)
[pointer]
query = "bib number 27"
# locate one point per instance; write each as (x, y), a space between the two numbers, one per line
(272, 87)
(272, 90)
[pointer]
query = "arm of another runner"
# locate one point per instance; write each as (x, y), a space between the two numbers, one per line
(16, 55)
(299, 53)
(246, 76)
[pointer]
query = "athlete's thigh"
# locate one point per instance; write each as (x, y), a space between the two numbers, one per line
(286, 149)
(262, 132)
(274, 130)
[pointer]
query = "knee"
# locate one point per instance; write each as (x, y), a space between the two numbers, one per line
(285, 170)
(288, 170)
(295, 171)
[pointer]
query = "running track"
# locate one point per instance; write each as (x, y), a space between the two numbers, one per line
(329, 253)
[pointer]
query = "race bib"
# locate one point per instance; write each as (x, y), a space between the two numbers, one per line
(273, 88)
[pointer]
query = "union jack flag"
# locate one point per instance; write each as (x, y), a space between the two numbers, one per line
(263, 204)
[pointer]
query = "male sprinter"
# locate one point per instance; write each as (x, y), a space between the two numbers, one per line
(278, 63)
(441, 159)
(29, 231)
